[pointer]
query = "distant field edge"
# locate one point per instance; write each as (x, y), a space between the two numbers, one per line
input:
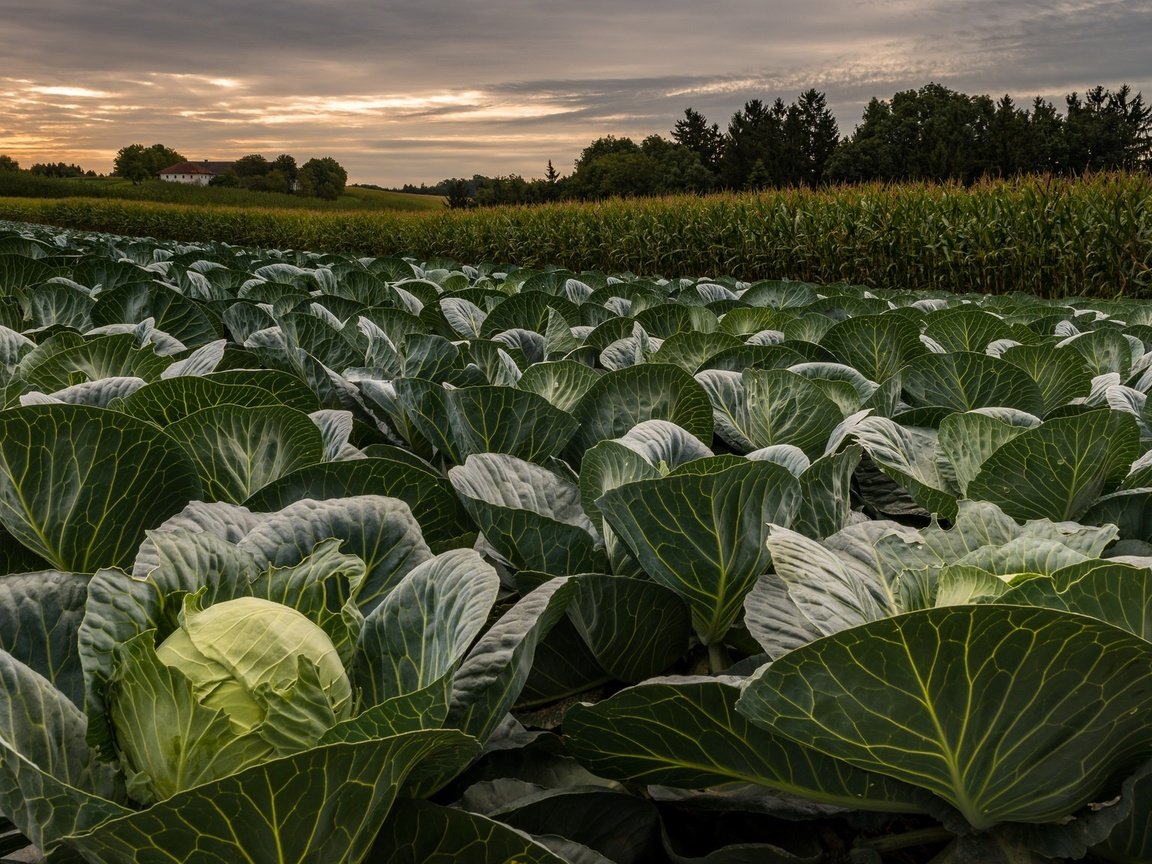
(1042, 236)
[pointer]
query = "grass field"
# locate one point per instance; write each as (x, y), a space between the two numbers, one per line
(354, 198)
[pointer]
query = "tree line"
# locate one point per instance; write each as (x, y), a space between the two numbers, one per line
(45, 169)
(933, 134)
(322, 177)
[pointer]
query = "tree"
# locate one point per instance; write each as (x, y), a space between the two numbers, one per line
(1047, 150)
(228, 180)
(679, 167)
(611, 166)
(870, 154)
(605, 146)
(285, 165)
(253, 165)
(131, 163)
(707, 142)
(1107, 131)
(814, 135)
(510, 189)
(759, 177)
(56, 169)
(323, 178)
(940, 134)
(1136, 124)
(256, 173)
(620, 174)
(139, 163)
(1008, 139)
(933, 133)
(8, 164)
(459, 194)
(1092, 137)
(551, 181)
(755, 140)
(273, 181)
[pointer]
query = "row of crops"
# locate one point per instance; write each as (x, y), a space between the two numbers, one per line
(315, 558)
(1050, 237)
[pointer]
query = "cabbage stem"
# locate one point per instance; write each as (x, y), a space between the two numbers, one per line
(718, 659)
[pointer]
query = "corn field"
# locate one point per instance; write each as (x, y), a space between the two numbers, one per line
(1044, 236)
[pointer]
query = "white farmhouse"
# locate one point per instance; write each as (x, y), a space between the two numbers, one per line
(196, 173)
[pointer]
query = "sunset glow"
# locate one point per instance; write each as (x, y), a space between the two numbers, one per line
(440, 89)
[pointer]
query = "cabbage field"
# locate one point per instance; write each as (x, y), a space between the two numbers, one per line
(320, 558)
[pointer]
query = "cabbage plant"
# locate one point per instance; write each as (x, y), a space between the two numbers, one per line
(1018, 728)
(228, 707)
(273, 674)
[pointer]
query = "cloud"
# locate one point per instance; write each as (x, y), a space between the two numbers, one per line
(416, 90)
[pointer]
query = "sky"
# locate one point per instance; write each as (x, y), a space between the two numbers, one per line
(414, 91)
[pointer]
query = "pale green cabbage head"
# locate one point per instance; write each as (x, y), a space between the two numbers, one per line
(238, 683)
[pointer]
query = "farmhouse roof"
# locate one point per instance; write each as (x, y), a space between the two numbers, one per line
(205, 167)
